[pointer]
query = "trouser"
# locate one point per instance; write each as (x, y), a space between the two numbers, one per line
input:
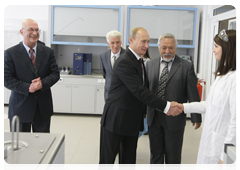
(38, 124)
(165, 145)
(110, 146)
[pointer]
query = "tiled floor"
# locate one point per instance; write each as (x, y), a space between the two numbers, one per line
(82, 134)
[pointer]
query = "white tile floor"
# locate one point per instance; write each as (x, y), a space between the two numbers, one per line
(82, 134)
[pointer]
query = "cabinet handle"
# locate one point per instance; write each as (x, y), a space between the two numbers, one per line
(68, 86)
(75, 86)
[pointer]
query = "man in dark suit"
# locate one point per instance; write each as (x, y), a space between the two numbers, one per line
(166, 132)
(30, 70)
(108, 58)
(123, 113)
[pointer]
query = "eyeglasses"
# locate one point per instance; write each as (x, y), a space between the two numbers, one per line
(223, 35)
(31, 30)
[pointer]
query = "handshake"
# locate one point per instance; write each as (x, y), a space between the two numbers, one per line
(175, 109)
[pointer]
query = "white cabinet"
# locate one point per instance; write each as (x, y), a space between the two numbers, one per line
(100, 99)
(83, 99)
(62, 98)
(79, 94)
(7, 94)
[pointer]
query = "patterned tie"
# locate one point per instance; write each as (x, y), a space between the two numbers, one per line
(114, 59)
(33, 58)
(163, 81)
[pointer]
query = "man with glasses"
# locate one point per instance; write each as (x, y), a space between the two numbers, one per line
(172, 79)
(30, 69)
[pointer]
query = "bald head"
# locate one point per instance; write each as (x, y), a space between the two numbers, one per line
(30, 32)
(27, 22)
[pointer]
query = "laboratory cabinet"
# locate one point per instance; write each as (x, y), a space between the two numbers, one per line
(157, 20)
(83, 98)
(62, 98)
(79, 94)
(7, 94)
(83, 25)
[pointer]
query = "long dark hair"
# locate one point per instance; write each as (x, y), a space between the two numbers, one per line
(228, 58)
(146, 55)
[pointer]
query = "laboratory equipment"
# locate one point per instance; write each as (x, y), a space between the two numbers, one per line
(33, 148)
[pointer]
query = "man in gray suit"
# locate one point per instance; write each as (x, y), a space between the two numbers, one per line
(180, 85)
(108, 58)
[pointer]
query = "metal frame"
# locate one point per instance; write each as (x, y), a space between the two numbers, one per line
(165, 8)
(83, 6)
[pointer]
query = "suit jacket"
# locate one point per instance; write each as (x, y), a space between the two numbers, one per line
(124, 107)
(18, 74)
(106, 69)
(181, 87)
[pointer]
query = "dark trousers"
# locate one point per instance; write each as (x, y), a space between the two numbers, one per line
(110, 146)
(165, 145)
(38, 124)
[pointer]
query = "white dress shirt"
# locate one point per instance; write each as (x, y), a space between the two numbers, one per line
(117, 55)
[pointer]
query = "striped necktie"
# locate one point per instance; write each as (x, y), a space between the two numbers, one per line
(32, 57)
(163, 81)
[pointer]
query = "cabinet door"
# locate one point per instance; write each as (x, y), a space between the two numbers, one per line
(100, 100)
(76, 25)
(62, 98)
(7, 94)
(83, 98)
(181, 22)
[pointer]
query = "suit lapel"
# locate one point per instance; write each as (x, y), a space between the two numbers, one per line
(108, 59)
(23, 55)
(136, 63)
(39, 57)
(176, 64)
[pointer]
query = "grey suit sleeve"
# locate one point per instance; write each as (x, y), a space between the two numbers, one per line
(192, 93)
(103, 71)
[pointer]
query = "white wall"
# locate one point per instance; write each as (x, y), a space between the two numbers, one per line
(15, 14)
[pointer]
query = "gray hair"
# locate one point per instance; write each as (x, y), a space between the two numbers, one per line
(114, 34)
(166, 35)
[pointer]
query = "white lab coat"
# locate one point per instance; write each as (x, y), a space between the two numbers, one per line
(220, 120)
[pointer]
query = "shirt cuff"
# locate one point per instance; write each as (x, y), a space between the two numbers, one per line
(186, 107)
(167, 107)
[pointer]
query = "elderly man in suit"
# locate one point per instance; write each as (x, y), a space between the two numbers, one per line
(172, 79)
(108, 58)
(123, 112)
(30, 69)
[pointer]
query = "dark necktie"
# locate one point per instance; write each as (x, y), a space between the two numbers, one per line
(141, 64)
(140, 61)
(163, 81)
(33, 58)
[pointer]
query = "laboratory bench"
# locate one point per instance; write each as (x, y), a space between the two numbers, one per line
(35, 148)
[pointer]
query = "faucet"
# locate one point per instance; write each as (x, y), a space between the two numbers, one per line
(14, 120)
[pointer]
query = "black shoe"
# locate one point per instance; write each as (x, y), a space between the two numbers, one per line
(146, 133)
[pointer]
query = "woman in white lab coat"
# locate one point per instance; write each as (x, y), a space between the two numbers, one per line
(220, 107)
